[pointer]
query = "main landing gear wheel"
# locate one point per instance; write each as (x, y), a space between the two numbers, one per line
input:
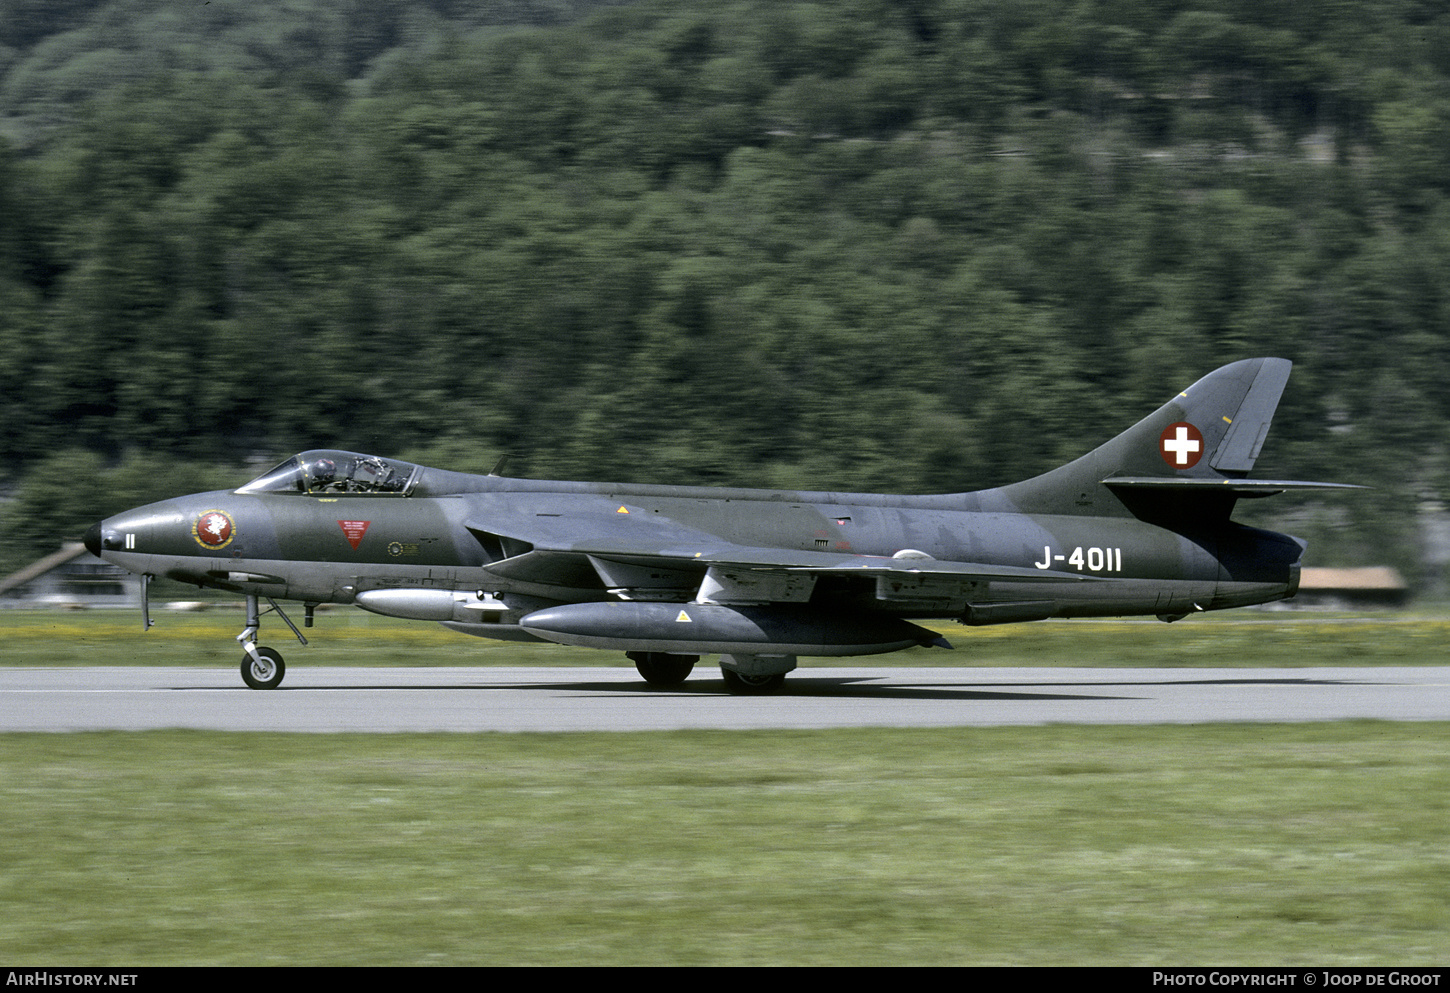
(662, 668)
(742, 684)
(265, 671)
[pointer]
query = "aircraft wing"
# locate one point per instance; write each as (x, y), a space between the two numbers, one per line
(661, 558)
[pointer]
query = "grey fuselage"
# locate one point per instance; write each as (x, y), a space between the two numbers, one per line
(297, 546)
(1141, 525)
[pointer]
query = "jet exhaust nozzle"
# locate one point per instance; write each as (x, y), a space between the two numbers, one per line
(698, 628)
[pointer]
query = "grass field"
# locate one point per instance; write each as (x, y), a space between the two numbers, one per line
(1309, 844)
(354, 637)
(1305, 844)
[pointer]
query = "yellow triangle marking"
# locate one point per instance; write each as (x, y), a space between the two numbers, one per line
(622, 510)
(684, 618)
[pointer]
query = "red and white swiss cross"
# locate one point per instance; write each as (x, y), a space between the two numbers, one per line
(1181, 445)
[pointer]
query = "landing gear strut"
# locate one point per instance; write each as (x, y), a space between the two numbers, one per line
(263, 668)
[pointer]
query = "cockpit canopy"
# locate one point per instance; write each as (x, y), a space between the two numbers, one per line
(330, 472)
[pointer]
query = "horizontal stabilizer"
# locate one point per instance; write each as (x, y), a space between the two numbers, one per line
(1237, 487)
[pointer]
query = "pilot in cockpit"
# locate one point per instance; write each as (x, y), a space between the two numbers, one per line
(323, 475)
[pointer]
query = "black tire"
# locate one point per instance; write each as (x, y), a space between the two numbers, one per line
(663, 669)
(743, 685)
(265, 672)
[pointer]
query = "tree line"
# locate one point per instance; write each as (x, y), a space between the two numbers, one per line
(924, 245)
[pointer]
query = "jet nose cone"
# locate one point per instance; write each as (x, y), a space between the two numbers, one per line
(99, 538)
(92, 538)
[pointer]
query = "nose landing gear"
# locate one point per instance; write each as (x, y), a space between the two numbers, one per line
(263, 668)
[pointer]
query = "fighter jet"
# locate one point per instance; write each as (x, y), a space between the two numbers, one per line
(1139, 526)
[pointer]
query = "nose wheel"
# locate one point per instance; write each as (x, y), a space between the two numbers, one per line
(263, 669)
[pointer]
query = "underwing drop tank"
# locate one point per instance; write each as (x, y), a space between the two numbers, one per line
(431, 605)
(697, 628)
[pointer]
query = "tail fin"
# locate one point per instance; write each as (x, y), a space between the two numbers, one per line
(1186, 460)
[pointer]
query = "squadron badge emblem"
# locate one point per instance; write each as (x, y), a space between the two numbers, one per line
(214, 529)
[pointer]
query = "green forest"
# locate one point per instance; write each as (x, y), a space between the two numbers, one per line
(910, 246)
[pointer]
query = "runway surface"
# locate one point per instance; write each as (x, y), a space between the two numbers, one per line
(326, 699)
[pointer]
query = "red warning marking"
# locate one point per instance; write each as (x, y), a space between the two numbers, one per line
(354, 531)
(1181, 445)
